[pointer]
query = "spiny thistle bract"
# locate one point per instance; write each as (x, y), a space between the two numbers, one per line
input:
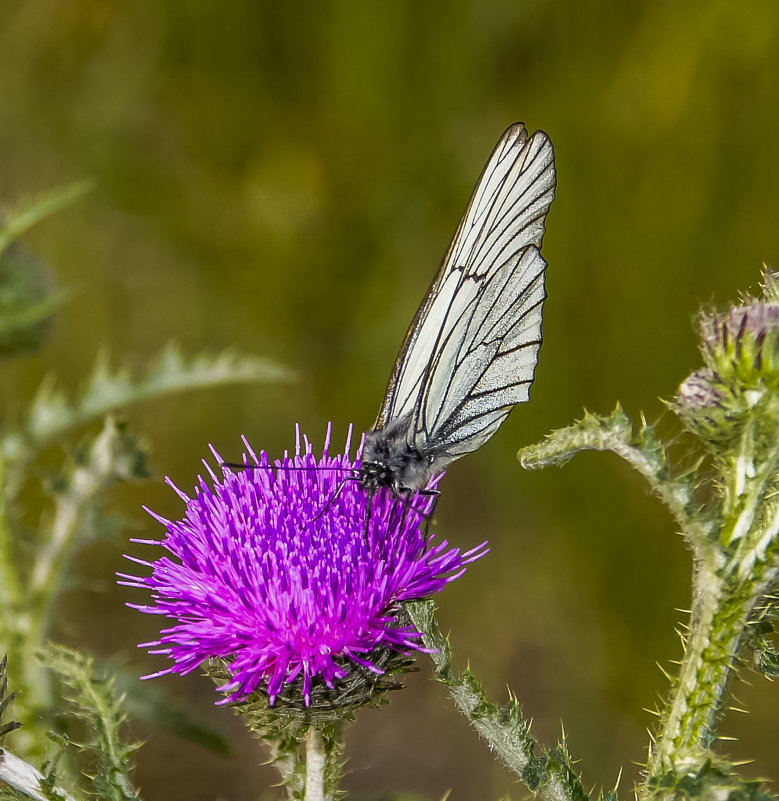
(293, 576)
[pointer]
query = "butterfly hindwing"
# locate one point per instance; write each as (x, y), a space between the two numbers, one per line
(487, 363)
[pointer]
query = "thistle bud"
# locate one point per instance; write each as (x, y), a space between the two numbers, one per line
(742, 345)
(740, 349)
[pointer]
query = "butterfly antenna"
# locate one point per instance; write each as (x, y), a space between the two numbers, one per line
(242, 466)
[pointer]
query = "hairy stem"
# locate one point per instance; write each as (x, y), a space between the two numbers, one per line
(14, 633)
(688, 724)
(642, 451)
(315, 766)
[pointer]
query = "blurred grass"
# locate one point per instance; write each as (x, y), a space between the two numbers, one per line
(285, 179)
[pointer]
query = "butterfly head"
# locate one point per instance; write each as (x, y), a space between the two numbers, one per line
(388, 461)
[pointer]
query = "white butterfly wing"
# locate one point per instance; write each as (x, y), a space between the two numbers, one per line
(471, 350)
(486, 366)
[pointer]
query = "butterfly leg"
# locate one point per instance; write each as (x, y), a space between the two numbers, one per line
(339, 489)
(368, 510)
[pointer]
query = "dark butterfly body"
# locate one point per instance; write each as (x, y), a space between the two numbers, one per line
(388, 461)
(470, 353)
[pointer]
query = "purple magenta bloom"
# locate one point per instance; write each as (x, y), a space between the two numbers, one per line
(277, 572)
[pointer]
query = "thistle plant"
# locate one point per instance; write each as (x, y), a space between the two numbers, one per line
(292, 580)
(304, 597)
(727, 510)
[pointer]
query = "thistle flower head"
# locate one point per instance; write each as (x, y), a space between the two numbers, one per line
(293, 576)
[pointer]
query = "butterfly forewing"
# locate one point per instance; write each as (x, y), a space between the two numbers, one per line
(471, 350)
(508, 206)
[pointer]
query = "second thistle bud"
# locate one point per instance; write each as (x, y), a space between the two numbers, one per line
(740, 349)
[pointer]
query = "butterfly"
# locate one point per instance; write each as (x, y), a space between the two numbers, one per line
(470, 353)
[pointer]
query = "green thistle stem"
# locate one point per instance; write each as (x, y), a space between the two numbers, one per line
(87, 481)
(718, 623)
(105, 461)
(642, 450)
(725, 603)
(736, 555)
(735, 568)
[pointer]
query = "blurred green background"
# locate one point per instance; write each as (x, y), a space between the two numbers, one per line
(284, 178)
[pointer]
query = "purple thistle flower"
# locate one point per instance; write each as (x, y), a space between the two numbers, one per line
(275, 570)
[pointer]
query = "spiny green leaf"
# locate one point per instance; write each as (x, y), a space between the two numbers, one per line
(169, 373)
(52, 414)
(93, 698)
(28, 212)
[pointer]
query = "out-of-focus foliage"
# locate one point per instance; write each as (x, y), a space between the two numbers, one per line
(285, 178)
(92, 697)
(27, 299)
(37, 558)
